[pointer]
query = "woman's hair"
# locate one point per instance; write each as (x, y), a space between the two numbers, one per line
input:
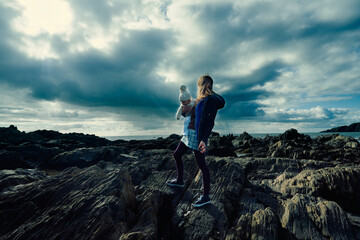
(205, 86)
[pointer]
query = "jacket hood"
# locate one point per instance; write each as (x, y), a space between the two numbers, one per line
(219, 100)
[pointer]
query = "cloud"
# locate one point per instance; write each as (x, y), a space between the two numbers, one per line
(126, 78)
(128, 59)
(304, 115)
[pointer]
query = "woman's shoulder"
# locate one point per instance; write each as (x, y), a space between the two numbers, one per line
(216, 99)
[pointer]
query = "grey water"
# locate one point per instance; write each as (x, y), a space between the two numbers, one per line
(355, 135)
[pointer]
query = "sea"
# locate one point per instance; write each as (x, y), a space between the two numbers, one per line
(355, 135)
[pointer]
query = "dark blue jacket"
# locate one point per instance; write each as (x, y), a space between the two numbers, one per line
(211, 104)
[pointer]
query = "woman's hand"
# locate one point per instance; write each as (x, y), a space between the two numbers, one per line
(202, 147)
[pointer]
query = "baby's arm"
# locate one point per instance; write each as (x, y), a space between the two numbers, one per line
(178, 113)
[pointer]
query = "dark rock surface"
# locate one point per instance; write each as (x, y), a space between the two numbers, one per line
(291, 144)
(284, 187)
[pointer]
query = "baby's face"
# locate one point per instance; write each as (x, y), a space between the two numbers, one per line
(185, 102)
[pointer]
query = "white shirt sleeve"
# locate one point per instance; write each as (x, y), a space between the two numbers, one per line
(178, 113)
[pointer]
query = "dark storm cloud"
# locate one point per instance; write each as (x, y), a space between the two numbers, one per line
(126, 79)
(241, 98)
(278, 33)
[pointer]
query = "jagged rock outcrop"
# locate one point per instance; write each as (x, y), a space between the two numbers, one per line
(53, 150)
(262, 224)
(77, 204)
(117, 190)
(291, 144)
(340, 184)
(315, 218)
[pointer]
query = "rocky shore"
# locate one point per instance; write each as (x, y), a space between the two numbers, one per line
(76, 186)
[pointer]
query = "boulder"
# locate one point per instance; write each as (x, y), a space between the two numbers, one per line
(262, 224)
(12, 178)
(308, 217)
(290, 134)
(338, 184)
(339, 141)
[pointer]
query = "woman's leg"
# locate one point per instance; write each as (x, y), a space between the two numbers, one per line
(200, 159)
(178, 153)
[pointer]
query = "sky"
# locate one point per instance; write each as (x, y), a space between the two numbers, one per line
(114, 67)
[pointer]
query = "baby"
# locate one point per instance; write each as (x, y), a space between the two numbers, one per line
(187, 103)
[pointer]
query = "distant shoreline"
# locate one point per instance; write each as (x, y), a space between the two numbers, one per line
(355, 135)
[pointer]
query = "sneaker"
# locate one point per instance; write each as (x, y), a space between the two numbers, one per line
(175, 183)
(203, 200)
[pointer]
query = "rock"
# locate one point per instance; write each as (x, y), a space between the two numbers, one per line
(34, 154)
(355, 127)
(12, 160)
(11, 178)
(221, 146)
(290, 134)
(95, 203)
(15, 137)
(245, 136)
(262, 224)
(75, 204)
(338, 184)
(352, 144)
(222, 152)
(212, 221)
(340, 141)
(174, 137)
(12, 135)
(309, 189)
(214, 140)
(246, 145)
(85, 157)
(308, 217)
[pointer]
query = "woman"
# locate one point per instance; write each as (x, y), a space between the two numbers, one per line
(199, 129)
